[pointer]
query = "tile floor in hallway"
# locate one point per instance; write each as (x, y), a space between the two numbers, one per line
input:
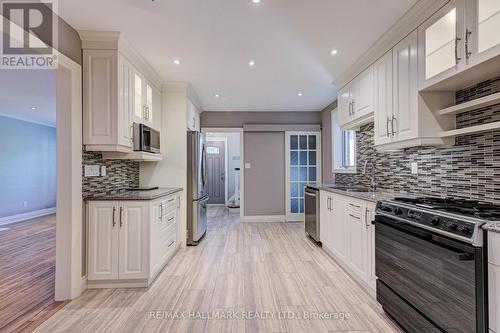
(270, 269)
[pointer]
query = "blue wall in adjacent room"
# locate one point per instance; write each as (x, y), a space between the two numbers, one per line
(27, 167)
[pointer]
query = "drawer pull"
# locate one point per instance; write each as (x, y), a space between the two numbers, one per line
(170, 219)
(171, 200)
(354, 216)
(171, 243)
(353, 205)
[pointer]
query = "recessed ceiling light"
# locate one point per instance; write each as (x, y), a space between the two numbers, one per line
(299, 94)
(334, 52)
(251, 63)
(256, 1)
(33, 108)
(217, 96)
(177, 62)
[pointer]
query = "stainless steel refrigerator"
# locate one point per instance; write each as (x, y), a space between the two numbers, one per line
(196, 188)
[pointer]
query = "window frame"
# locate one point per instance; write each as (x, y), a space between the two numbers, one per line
(338, 147)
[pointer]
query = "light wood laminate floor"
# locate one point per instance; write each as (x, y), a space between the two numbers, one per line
(270, 270)
(27, 273)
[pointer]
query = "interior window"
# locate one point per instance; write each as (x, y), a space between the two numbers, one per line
(344, 148)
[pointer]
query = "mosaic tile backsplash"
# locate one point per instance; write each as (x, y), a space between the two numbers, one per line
(119, 174)
(470, 169)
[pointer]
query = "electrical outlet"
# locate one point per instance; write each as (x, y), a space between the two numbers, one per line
(92, 170)
(103, 170)
(414, 168)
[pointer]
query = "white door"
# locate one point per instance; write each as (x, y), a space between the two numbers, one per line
(134, 240)
(148, 103)
(483, 26)
(303, 166)
(338, 227)
(344, 105)
(324, 217)
(404, 124)
(370, 250)
(156, 109)
(125, 100)
(103, 240)
(139, 109)
(362, 103)
(383, 98)
(357, 242)
(442, 44)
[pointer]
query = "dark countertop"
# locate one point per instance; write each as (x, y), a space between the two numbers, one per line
(492, 226)
(135, 195)
(367, 196)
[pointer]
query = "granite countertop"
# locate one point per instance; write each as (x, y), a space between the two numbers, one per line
(134, 195)
(492, 226)
(367, 196)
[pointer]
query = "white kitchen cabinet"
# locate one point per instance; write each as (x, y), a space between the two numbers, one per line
(130, 241)
(193, 117)
(494, 297)
(134, 237)
(116, 93)
(103, 246)
(382, 71)
(442, 44)
(356, 101)
(483, 26)
(348, 235)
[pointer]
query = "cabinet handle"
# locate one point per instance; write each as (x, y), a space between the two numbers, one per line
(392, 125)
(350, 104)
(366, 218)
(171, 243)
(353, 102)
(170, 200)
(170, 219)
(131, 130)
(457, 58)
(121, 220)
(114, 211)
(467, 35)
(387, 126)
(354, 216)
(353, 205)
(161, 211)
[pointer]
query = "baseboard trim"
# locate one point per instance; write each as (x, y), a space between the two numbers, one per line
(264, 218)
(27, 216)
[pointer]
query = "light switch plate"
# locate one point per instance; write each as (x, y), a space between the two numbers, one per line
(248, 165)
(91, 170)
(414, 168)
(103, 170)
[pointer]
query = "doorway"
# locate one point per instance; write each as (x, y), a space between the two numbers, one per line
(224, 151)
(216, 171)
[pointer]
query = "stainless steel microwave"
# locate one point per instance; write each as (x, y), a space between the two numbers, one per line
(146, 139)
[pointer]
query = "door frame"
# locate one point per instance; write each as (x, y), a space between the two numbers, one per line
(219, 139)
(298, 217)
(242, 154)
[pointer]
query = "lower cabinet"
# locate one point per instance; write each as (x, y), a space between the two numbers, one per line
(129, 242)
(494, 281)
(348, 235)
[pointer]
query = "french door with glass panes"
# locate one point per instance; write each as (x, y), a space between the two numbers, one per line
(303, 166)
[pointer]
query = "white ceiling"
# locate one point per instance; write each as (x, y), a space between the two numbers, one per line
(23, 89)
(290, 41)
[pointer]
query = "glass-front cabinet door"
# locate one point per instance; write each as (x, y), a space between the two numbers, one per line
(483, 30)
(442, 44)
(303, 166)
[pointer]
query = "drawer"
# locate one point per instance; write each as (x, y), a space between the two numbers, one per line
(494, 248)
(356, 208)
(169, 243)
(169, 204)
(494, 297)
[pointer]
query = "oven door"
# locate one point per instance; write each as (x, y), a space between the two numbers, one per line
(435, 275)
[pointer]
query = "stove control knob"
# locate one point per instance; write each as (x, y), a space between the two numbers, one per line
(452, 226)
(398, 211)
(435, 220)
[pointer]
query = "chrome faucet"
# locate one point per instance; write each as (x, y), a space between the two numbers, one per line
(373, 181)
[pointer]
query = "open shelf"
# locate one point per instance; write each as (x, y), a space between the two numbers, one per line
(471, 130)
(134, 156)
(471, 105)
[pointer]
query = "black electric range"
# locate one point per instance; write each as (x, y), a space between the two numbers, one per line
(430, 262)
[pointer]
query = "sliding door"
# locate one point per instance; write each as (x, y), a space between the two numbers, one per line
(303, 166)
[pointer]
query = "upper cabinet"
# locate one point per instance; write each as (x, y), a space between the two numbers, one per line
(457, 38)
(118, 90)
(356, 101)
(193, 117)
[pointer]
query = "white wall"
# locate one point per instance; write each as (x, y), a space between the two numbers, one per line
(172, 170)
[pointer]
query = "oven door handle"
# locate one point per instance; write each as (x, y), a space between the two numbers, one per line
(464, 256)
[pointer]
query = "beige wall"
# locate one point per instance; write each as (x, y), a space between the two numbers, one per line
(326, 143)
(238, 119)
(265, 180)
